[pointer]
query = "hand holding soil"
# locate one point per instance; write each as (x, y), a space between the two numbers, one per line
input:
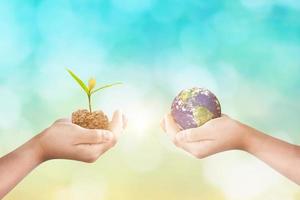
(62, 140)
(84, 138)
(65, 140)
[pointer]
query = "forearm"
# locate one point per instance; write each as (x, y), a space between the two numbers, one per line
(17, 164)
(280, 155)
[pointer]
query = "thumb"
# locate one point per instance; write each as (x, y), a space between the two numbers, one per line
(170, 125)
(117, 123)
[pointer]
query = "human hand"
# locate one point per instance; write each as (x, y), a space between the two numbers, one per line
(217, 135)
(65, 140)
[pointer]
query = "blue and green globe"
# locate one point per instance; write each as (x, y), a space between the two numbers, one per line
(193, 107)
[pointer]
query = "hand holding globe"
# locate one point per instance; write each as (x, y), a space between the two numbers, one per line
(196, 125)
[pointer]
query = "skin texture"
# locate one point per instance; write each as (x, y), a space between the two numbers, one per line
(62, 140)
(222, 134)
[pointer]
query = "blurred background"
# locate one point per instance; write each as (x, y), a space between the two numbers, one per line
(246, 52)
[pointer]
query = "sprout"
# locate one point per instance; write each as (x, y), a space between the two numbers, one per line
(89, 89)
(92, 83)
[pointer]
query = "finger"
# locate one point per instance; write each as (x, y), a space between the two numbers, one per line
(170, 125)
(94, 136)
(200, 149)
(162, 125)
(194, 135)
(93, 151)
(90, 152)
(171, 129)
(125, 121)
(116, 124)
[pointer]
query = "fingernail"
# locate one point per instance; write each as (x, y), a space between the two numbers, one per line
(106, 136)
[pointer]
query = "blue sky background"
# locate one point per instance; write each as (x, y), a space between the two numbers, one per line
(246, 52)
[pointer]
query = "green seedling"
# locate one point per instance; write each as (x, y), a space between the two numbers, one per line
(89, 89)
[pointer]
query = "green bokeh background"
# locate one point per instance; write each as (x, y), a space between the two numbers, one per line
(246, 52)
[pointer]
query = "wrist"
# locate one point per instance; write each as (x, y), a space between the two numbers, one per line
(252, 139)
(33, 151)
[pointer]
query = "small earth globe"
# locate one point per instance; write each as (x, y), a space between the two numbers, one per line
(193, 107)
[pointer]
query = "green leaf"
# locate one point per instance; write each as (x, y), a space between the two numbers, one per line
(105, 86)
(80, 82)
